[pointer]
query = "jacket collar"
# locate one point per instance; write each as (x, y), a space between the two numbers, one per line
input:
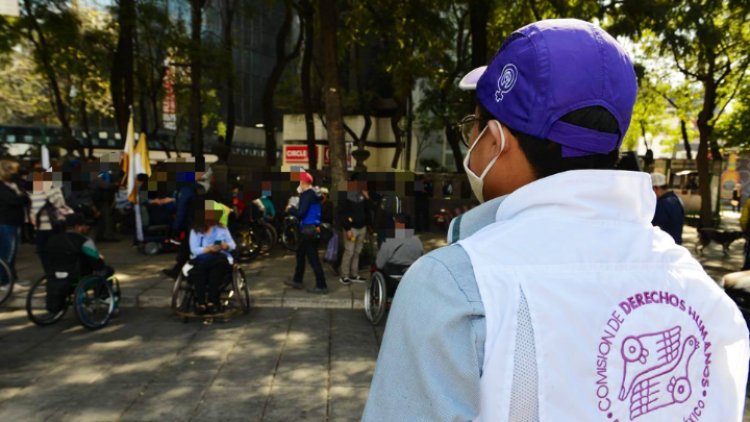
(587, 194)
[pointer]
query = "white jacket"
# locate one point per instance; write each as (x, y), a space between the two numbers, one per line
(620, 323)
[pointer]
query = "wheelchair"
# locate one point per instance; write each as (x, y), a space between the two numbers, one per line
(6, 282)
(381, 287)
(234, 295)
(94, 298)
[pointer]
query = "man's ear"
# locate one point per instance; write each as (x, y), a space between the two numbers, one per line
(495, 129)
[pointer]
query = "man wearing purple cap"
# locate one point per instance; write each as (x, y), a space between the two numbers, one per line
(558, 300)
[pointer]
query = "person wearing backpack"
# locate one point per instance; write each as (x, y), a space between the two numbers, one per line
(48, 209)
(13, 203)
(308, 213)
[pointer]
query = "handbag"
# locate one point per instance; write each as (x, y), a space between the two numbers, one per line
(332, 250)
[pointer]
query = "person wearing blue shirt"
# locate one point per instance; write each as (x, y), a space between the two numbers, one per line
(542, 292)
(210, 246)
(308, 212)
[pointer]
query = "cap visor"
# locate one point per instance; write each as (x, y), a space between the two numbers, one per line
(469, 82)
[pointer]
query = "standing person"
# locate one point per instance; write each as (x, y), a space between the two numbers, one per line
(104, 189)
(669, 214)
(422, 194)
(13, 204)
(308, 214)
(736, 197)
(46, 198)
(744, 219)
(567, 305)
(354, 218)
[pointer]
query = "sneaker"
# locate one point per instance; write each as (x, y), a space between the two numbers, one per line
(345, 281)
(356, 279)
(293, 284)
(318, 291)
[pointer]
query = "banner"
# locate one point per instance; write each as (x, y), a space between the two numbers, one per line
(169, 105)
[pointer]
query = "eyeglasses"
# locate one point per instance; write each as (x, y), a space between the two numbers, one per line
(465, 126)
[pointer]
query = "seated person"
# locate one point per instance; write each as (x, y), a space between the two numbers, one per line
(398, 252)
(210, 244)
(72, 256)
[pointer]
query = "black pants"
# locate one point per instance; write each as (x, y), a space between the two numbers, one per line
(209, 275)
(308, 247)
(422, 216)
(746, 265)
(183, 255)
(104, 227)
(42, 236)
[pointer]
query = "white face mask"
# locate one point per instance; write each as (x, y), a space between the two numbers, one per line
(299, 189)
(477, 182)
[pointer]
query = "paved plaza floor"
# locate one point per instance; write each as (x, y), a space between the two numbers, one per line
(276, 364)
(295, 357)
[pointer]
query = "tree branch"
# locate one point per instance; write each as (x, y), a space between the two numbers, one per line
(743, 71)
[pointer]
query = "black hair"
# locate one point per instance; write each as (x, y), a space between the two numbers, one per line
(403, 219)
(545, 156)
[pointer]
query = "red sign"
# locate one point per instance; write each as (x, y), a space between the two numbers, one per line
(296, 154)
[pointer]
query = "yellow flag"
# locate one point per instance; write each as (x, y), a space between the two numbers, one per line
(139, 164)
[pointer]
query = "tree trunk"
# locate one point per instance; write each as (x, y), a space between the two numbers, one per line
(47, 68)
(307, 13)
(453, 137)
(282, 60)
(705, 129)
(82, 106)
(121, 75)
(332, 93)
(685, 140)
(228, 20)
(196, 116)
(479, 11)
(409, 128)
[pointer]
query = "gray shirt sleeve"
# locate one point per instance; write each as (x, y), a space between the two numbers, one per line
(430, 360)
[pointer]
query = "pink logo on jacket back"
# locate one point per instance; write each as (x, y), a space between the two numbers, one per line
(665, 366)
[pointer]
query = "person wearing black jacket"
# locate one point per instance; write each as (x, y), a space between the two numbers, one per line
(669, 214)
(354, 217)
(13, 204)
(308, 213)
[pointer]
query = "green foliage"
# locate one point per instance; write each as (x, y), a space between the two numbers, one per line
(734, 129)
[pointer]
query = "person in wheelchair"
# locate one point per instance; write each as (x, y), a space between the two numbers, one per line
(398, 252)
(72, 256)
(210, 247)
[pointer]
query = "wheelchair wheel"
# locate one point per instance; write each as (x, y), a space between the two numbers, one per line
(239, 284)
(247, 247)
(6, 282)
(36, 304)
(265, 236)
(94, 302)
(375, 298)
(290, 237)
(182, 296)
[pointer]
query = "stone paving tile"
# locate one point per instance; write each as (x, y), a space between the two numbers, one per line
(347, 403)
(246, 404)
(298, 403)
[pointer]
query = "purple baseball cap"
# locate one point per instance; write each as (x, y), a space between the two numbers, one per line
(549, 68)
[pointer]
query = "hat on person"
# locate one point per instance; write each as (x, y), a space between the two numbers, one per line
(658, 180)
(305, 177)
(550, 68)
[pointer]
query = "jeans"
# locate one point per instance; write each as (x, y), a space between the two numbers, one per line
(308, 248)
(9, 247)
(352, 249)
